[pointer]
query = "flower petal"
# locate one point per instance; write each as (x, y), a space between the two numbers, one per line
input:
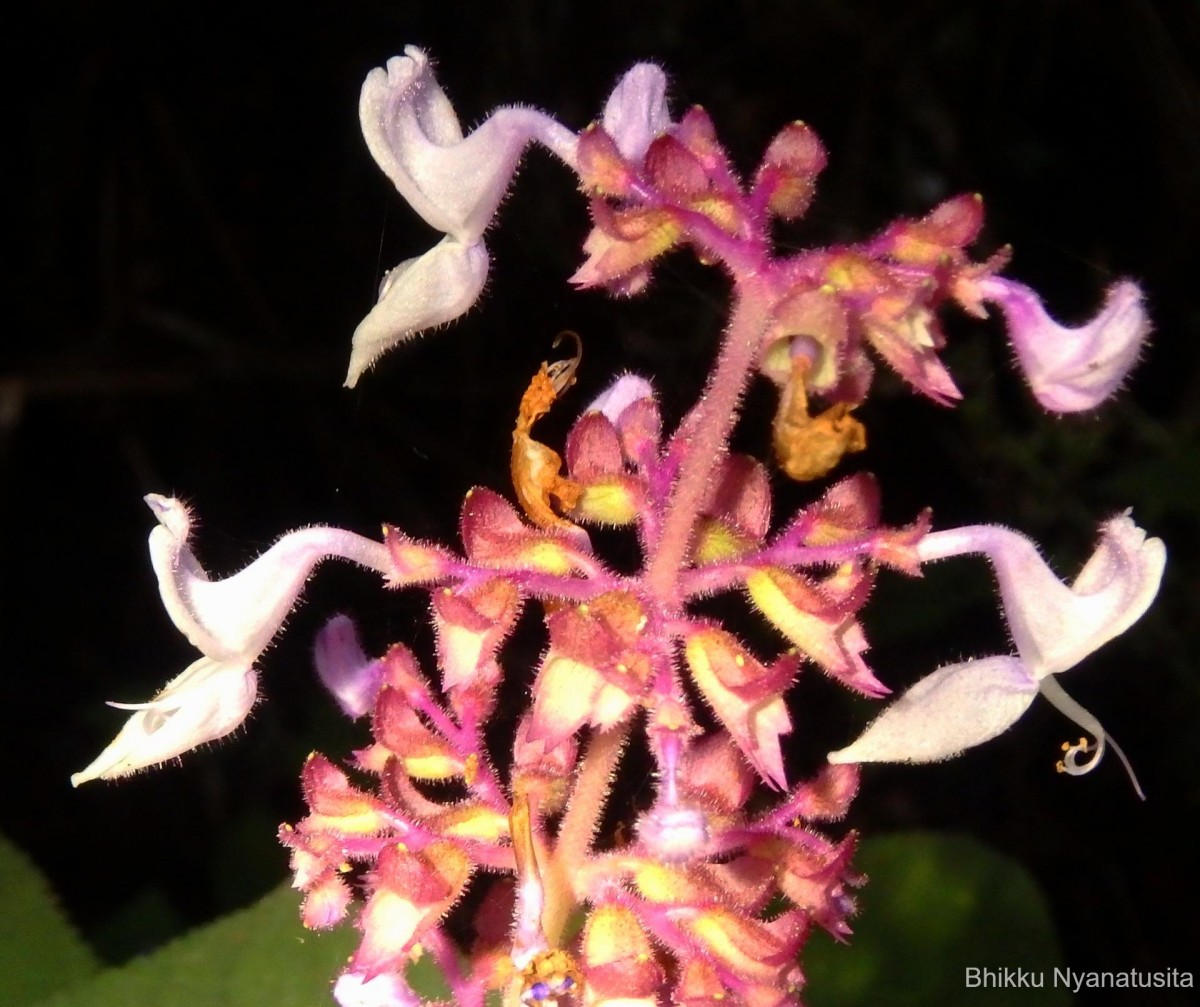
(233, 620)
(454, 183)
(1071, 370)
(636, 111)
(1055, 626)
(421, 293)
(386, 990)
(955, 708)
(204, 703)
(624, 392)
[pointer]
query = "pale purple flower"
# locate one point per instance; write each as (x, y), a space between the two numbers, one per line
(454, 182)
(230, 622)
(620, 395)
(636, 112)
(1053, 627)
(1072, 370)
(344, 668)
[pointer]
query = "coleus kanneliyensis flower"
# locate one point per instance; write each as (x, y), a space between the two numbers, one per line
(710, 896)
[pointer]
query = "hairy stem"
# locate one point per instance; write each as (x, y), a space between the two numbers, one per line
(709, 427)
(593, 782)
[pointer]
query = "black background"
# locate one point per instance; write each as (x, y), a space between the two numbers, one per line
(196, 228)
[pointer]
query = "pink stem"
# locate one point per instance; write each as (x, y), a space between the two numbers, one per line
(710, 423)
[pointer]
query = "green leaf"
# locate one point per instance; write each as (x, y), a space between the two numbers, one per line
(39, 950)
(935, 906)
(261, 955)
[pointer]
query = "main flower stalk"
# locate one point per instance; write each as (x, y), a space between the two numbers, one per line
(708, 431)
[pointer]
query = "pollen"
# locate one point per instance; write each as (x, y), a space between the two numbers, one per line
(548, 976)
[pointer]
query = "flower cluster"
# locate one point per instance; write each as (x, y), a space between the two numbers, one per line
(711, 893)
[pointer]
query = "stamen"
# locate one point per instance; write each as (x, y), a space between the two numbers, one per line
(562, 372)
(547, 977)
(1070, 763)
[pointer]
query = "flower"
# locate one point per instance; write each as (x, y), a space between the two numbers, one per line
(344, 669)
(1053, 627)
(456, 183)
(230, 622)
(1072, 370)
(636, 112)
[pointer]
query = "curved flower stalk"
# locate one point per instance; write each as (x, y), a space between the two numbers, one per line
(1053, 627)
(230, 622)
(702, 900)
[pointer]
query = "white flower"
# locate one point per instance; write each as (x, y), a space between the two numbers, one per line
(1072, 370)
(230, 622)
(456, 183)
(386, 990)
(1053, 627)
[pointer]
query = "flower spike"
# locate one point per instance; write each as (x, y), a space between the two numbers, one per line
(706, 894)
